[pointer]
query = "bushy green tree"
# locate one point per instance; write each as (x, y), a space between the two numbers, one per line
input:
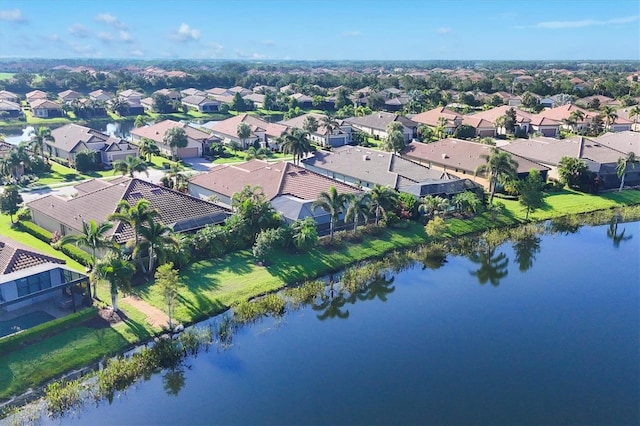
(10, 201)
(572, 171)
(168, 282)
(531, 191)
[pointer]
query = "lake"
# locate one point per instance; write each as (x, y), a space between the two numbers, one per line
(118, 129)
(555, 344)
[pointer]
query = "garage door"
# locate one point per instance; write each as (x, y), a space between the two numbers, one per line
(188, 152)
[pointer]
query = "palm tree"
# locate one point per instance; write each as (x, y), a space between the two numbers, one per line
(634, 112)
(577, 116)
(148, 148)
(92, 237)
(17, 160)
(441, 128)
(383, 199)
(333, 203)
(623, 164)
(330, 124)
(358, 206)
(38, 139)
(244, 131)
(120, 106)
(118, 271)
(296, 142)
(432, 205)
(135, 216)
(175, 175)
(499, 167)
(492, 267)
(130, 165)
(612, 233)
(156, 238)
(175, 137)
(310, 124)
(609, 114)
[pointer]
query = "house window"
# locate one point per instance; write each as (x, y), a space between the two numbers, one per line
(33, 284)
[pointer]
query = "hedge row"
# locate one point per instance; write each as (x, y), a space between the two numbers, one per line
(46, 329)
(72, 251)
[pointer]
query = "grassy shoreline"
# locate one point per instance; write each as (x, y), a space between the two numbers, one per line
(216, 284)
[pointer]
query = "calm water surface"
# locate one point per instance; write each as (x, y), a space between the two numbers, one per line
(557, 344)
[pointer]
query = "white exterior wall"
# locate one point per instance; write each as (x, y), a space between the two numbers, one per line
(9, 291)
(204, 194)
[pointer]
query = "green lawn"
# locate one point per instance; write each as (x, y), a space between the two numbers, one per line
(6, 75)
(215, 284)
(61, 174)
(156, 163)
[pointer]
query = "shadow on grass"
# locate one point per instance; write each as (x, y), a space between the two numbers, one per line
(138, 329)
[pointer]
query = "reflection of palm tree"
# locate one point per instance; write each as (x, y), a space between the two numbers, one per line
(379, 288)
(612, 233)
(525, 250)
(492, 267)
(173, 381)
(332, 308)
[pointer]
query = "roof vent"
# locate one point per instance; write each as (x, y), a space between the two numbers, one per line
(444, 156)
(365, 158)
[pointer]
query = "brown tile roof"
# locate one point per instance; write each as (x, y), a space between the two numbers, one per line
(14, 256)
(156, 131)
(276, 179)
(459, 154)
(229, 127)
(492, 114)
(380, 120)
(564, 111)
(69, 136)
(176, 209)
(622, 141)
(476, 122)
(430, 118)
(298, 123)
(43, 104)
(36, 94)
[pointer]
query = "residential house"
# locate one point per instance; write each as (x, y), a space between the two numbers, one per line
(71, 139)
(376, 124)
(43, 108)
(9, 109)
(200, 103)
(100, 95)
(219, 91)
(625, 114)
(28, 277)
(5, 95)
(438, 116)
(256, 99)
(563, 113)
(545, 126)
(461, 157)
(132, 96)
(338, 137)
(192, 92)
(624, 142)
(366, 167)
(482, 128)
(173, 95)
(34, 95)
(197, 140)
(600, 158)
(180, 212)
(239, 89)
(69, 96)
(304, 101)
(290, 189)
(523, 119)
(262, 131)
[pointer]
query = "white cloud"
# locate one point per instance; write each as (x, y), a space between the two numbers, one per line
(109, 19)
(186, 33)
(14, 15)
(443, 31)
(584, 23)
(79, 31)
(125, 37)
(352, 34)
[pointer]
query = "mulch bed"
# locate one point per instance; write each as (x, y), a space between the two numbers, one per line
(106, 318)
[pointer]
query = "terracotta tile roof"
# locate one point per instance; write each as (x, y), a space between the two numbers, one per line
(541, 120)
(369, 165)
(492, 114)
(156, 131)
(176, 209)
(229, 127)
(459, 154)
(276, 179)
(298, 123)
(476, 122)
(36, 94)
(564, 111)
(430, 118)
(14, 256)
(43, 104)
(9, 106)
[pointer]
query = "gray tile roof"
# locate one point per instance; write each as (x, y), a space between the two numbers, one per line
(15, 257)
(380, 120)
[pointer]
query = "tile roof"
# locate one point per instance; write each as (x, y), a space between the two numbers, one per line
(197, 100)
(276, 179)
(177, 210)
(9, 106)
(564, 111)
(476, 122)
(551, 151)
(36, 94)
(14, 256)
(622, 141)
(43, 104)
(492, 114)
(431, 117)
(71, 135)
(229, 127)
(156, 131)
(298, 123)
(380, 120)
(459, 154)
(369, 165)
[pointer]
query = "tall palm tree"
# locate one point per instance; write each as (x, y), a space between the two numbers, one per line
(431, 205)
(148, 148)
(296, 142)
(609, 114)
(358, 206)
(333, 203)
(135, 216)
(117, 271)
(92, 237)
(17, 160)
(310, 124)
(383, 199)
(634, 112)
(330, 124)
(130, 165)
(156, 238)
(577, 115)
(499, 167)
(623, 165)
(243, 131)
(38, 139)
(175, 137)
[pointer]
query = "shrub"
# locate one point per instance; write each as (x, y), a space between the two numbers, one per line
(35, 230)
(436, 227)
(24, 214)
(76, 254)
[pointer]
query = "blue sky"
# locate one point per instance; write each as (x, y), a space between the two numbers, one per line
(317, 30)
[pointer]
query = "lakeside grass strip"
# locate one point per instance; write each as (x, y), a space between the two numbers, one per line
(215, 284)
